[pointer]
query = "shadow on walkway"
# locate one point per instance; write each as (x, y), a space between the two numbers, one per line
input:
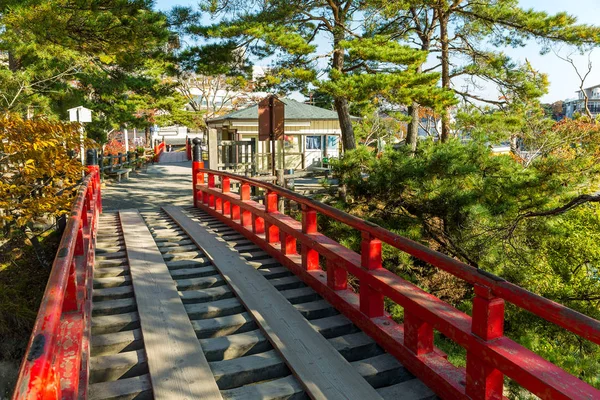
(157, 186)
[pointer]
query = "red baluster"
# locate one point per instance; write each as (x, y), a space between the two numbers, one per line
(225, 188)
(272, 231)
(79, 240)
(483, 380)
(196, 166)
(225, 184)
(418, 334)
(310, 257)
(245, 196)
(371, 301)
(288, 243)
(211, 185)
(337, 277)
(70, 302)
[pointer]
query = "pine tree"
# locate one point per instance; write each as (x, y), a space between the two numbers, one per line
(477, 31)
(360, 64)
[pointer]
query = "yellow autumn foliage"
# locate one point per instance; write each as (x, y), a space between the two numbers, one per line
(38, 177)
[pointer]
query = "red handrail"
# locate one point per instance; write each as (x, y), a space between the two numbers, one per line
(56, 362)
(490, 355)
(157, 150)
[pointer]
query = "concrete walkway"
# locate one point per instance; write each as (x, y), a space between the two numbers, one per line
(159, 185)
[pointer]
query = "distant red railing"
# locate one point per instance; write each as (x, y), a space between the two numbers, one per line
(490, 354)
(158, 149)
(56, 362)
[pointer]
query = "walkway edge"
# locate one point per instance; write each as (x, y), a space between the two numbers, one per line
(323, 372)
(177, 365)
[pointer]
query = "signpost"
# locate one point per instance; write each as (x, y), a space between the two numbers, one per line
(271, 119)
(80, 114)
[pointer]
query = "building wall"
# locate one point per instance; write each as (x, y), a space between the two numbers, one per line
(298, 134)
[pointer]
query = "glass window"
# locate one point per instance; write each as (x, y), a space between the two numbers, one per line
(313, 143)
(332, 142)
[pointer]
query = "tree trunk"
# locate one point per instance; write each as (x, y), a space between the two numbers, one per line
(412, 134)
(445, 73)
(148, 138)
(341, 106)
(341, 103)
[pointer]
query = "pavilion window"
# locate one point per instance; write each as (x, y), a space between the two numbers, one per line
(313, 143)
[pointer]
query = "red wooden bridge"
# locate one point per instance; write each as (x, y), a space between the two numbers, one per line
(231, 298)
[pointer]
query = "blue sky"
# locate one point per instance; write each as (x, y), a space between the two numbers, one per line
(563, 79)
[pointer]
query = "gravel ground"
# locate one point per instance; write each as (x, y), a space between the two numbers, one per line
(157, 186)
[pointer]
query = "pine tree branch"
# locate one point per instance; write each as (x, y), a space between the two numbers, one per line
(577, 201)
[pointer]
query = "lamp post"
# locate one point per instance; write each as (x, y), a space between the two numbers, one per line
(80, 114)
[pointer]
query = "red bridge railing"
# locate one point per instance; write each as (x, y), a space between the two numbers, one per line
(159, 148)
(490, 354)
(56, 362)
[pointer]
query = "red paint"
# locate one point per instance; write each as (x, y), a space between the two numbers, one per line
(288, 243)
(58, 349)
(196, 166)
(490, 355)
(225, 185)
(371, 301)
(418, 334)
(337, 278)
(271, 230)
(310, 257)
(258, 225)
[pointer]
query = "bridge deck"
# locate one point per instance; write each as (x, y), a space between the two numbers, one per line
(241, 336)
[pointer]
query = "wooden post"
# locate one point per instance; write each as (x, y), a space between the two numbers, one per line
(271, 231)
(337, 277)
(281, 182)
(483, 380)
(211, 185)
(246, 216)
(310, 257)
(371, 301)
(197, 165)
(226, 188)
(212, 149)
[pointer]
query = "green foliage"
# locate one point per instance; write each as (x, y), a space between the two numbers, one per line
(501, 213)
(108, 55)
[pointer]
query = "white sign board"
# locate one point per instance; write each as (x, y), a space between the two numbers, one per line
(80, 114)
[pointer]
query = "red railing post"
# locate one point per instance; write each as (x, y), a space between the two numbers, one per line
(79, 240)
(197, 166)
(371, 301)
(70, 301)
(226, 188)
(483, 380)
(246, 217)
(418, 334)
(288, 243)
(211, 185)
(310, 257)
(337, 277)
(271, 231)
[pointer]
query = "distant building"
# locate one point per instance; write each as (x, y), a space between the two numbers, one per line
(573, 106)
(215, 96)
(311, 133)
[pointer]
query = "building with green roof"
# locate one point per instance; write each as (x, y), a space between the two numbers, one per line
(312, 134)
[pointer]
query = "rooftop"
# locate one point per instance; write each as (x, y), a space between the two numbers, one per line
(294, 110)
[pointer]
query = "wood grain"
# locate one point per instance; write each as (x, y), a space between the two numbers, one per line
(323, 372)
(178, 368)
